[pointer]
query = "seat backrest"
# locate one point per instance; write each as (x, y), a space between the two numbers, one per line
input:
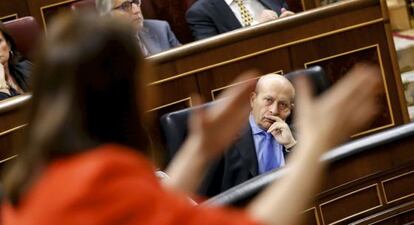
(174, 126)
(25, 32)
(83, 5)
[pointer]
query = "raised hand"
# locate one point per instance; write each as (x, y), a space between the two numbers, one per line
(323, 122)
(211, 131)
(267, 15)
(285, 13)
(342, 110)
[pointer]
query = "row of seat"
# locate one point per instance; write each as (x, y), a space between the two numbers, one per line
(174, 13)
(26, 31)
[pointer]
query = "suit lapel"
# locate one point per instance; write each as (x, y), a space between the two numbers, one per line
(149, 40)
(223, 13)
(246, 148)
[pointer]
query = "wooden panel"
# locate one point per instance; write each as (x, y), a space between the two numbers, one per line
(350, 171)
(339, 59)
(9, 17)
(174, 90)
(221, 76)
(311, 217)
(345, 61)
(398, 215)
(215, 93)
(47, 11)
(399, 187)
(343, 207)
(17, 9)
(12, 124)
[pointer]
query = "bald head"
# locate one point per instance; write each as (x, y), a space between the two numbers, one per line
(275, 81)
(274, 96)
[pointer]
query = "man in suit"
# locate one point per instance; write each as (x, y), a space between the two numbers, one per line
(208, 18)
(154, 36)
(263, 145)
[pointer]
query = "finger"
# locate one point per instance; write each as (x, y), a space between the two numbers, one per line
(286, 13)
(244, 82)
(362, 117)
(237, 97)
(196, 100)
(360, 83)
(270, 13)
(274, 118)
(275, 126)
(283, 10)
(304, 93)
(358, 79)
(197, 111)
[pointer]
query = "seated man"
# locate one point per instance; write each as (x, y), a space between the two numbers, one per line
(154, 36)
(207, 18)
(263, 145)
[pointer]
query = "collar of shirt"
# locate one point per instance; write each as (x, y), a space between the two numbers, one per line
(228, 2)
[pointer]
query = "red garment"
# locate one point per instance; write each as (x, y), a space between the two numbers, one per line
(109, 185)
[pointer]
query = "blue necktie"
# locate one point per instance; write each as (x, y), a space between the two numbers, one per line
(270, 159)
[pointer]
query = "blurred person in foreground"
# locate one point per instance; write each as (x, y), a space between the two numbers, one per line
(154, 36)
(14, 69)
(84, 158)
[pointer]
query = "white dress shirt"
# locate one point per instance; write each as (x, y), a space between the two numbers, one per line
(254, 7)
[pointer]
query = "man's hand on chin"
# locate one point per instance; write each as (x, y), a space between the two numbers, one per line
(281, 132)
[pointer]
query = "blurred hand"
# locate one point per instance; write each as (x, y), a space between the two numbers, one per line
(323, 122)
(217, 126)
(267, 15)
(211, 131)
(285, 13)
(281, 131)
(341, 111)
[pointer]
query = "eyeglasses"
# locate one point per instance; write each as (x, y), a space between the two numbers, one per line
(127, 5)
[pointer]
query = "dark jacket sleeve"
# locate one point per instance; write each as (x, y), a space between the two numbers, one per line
(172, 39)
(4, 96)
(201, 25)
(22, 74)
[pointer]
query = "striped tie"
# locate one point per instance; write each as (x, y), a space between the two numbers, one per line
(245, 14)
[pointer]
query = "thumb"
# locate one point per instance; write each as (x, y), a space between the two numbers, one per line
(283, 10)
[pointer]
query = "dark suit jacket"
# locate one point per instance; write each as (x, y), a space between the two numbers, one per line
(207, 18)
(157, 36)
(238, 165)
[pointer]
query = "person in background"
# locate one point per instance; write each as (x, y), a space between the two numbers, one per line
(83, 164)
(266, 142)
(207, 18)
(14, 69)
(154, 36)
